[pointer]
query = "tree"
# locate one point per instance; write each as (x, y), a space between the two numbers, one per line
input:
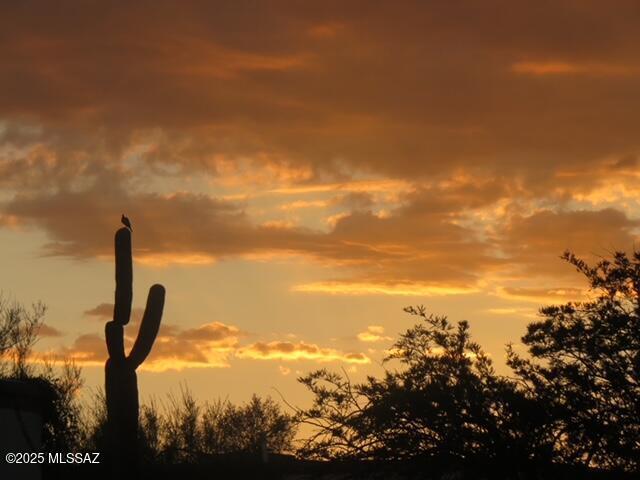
(259, 424)
(445, 403)
(185, 431)
(19, 329)
(585, 366)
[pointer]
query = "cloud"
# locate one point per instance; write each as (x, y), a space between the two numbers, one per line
(534, 242)
(181, 227)
(88, 349)
(298, 351)
(537, 295)
(207, 346)
(546, 68)
(175, 348)
(373, 333)
(427, 171)
(211, 332)
(210, 345)
(525, 312)
(411, 289)
(104, 313)
(48, 331)
(270, 84)
(451, 237)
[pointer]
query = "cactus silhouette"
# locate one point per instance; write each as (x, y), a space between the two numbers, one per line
(121, 384)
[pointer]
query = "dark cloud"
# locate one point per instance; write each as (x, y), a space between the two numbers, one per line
(187, 228)
(48, 331)
(87, 349)
(442, 235)
(411, 90)
(535, 242)
(487, 120)
(102, 311)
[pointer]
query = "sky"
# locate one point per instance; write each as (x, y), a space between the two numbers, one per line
(298, 172)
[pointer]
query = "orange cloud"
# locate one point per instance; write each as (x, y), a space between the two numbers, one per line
(538, 295)
(373, 333)
(413, 288)
(210, 345)
(525, 312)
(165, 259)
(86, 350)
(47, 331)
(298, 351)
(325, 30)
(534, 242)
(284, 93)
(104, 312)
(249, 116)
(571, 68)
(206, 346)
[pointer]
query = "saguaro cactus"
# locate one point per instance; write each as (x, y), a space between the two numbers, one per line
(121, 384)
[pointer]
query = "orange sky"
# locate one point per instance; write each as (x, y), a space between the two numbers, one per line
(297, 172)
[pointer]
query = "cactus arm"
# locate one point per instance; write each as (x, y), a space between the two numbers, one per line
(124, 277)
(149, 326)
(115, 340)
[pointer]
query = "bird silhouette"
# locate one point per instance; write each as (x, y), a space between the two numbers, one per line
(125, 221)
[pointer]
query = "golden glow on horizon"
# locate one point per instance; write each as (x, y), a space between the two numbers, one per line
(166, 259)
(367, 288)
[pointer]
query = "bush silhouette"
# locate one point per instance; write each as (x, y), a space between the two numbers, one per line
(19, 329)
(445, 405)
(585, 366)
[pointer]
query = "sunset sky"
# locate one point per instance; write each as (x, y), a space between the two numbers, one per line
(298, 172)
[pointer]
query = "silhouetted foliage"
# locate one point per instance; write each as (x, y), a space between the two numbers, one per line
(585, 366)
(445, 403)
(187, 431)
(184, 431)
(19, 329)
(94, 422)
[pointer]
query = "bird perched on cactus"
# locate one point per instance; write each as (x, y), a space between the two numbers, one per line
(125, 221)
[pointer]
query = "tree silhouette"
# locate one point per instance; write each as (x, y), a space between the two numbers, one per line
(444, 404)
(586, 366)
(19, 328)
(19, 332)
